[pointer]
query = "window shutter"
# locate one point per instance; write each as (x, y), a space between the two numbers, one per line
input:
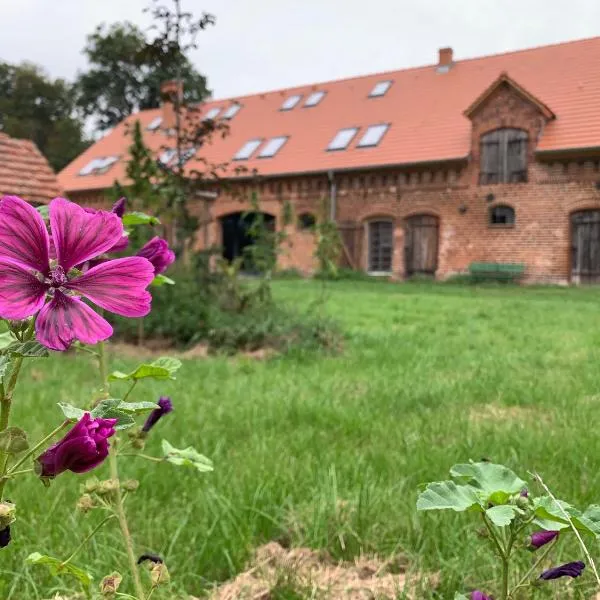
(516, 152)
(490, 157)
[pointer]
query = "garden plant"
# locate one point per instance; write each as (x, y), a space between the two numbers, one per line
(53, 261)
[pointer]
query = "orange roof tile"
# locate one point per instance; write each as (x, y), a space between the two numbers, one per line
(25, 172)
(425, 110)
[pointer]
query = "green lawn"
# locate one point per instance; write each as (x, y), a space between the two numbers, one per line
(329, 451)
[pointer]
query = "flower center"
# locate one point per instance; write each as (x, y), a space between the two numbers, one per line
(58, 277)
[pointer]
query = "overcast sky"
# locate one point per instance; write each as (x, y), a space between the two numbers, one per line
(260, 45)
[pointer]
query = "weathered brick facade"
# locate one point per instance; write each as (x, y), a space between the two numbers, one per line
(539, 238)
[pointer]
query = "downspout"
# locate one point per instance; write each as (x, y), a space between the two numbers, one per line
(332, 196)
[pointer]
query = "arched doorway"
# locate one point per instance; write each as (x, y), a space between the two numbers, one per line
(585, 246)
(421, 234)
(237, 235)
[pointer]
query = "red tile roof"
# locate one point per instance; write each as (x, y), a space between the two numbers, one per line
(25, 172)
(425, 110)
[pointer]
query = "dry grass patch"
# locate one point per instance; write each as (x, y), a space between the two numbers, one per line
(313, 574)
(495, 414)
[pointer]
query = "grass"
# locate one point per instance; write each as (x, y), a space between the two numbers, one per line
(329, 451)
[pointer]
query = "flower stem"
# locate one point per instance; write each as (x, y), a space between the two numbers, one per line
(86, 540)
(494, 537)
(146, 456)
(114, 475)
(33, 450)
(537, 563)
(131, 387)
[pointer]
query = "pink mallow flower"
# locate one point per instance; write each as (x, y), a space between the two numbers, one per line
(30, 282)
(81, 450)
(157, 251)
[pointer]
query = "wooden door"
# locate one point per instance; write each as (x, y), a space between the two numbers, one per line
(585, 246)
(421, 245)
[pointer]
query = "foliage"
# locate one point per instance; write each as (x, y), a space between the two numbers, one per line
(35, 107)
(328, 249)
(125, 77)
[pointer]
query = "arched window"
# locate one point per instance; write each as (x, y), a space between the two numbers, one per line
(380, 243)
(306, 221)
(502, 215)
(503, 156)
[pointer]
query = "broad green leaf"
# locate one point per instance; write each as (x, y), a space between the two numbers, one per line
(138, 218)
(110, 409)
(56, 567)
(188, 457)
(495, 483)
(30, 349)
(446, 495)
(502, 515)
(13, 440)
(6, 339)
(72, 413)
(161, 369)
(162, 280)
(547, 510)
(458, 596)
(137, 407)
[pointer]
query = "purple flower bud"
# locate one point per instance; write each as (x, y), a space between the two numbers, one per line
(164, 406)
(541, 538)
(524, 493)
(477, 595)
(157, 251)
(572, 569)
(5, 537)
(81, 450)
(119, 207)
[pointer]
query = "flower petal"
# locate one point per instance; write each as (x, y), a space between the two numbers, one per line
(23, 234)
(118, 285)
(79, 235)
(22, 294)
(65, 319)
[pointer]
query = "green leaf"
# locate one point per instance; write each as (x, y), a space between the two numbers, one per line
(458, 596)
(502, 515)
(446, 495)
(56, 567)
(30, 349)
(547, 511)
(110, 409)
(161, 369)
(138, 218)
(72, 413)
(188, 457)
(494, 483)
(162, 280)
(13, 440)
(137, 408)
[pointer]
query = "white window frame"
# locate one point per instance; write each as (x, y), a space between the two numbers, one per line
(338, 132)
(294, 99)
(279, 138)
(385, 126)
(155, 123)
(255, 142)
(375, 94)
(212, 114)
(314, 99)
(368, 236)
(231, 111)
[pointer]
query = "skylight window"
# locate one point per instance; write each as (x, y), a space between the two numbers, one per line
(290, 102)
(154, 124)
(97, 165)
(314, 99)
(247, 150)
(342, 138)
(213, 112)
(272, 147)
(380, 89)
(167, 156)
(231, 111)
(372, 135)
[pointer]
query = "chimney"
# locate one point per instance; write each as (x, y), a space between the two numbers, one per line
(171, 93)
(445, 61)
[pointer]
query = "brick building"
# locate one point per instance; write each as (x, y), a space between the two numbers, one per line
(425, 170)
(25, 172)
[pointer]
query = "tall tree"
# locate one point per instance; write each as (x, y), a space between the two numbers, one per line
(40, 109)
(126, 73)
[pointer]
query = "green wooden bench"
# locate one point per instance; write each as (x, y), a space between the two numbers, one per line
(492, 271)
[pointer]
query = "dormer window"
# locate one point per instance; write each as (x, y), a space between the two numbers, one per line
(503, 157)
